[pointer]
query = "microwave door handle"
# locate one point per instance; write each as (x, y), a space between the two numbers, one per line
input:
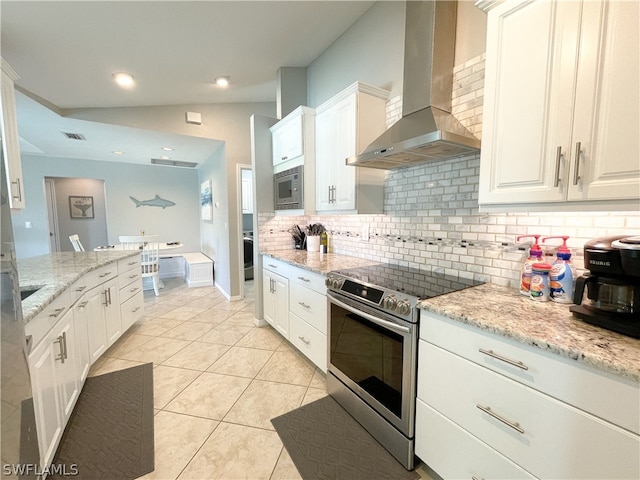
(378, 321)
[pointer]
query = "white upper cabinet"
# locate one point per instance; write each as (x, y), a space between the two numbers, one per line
(561, 103)
(290, 137)
(10, 139)
(345, 125)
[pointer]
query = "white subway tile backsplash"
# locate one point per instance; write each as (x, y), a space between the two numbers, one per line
(431, 218)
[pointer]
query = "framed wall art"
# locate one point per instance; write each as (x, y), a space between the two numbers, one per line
(206, 201)
(81, 207)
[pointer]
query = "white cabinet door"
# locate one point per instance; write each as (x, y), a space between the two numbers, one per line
(10, 139)
(345, 125)
(528, 92)
(64, 341)
(606, 120)
(97, 330)
(82, 354)
(276, 301)
(561, 103)
(112, 318)
(46, 400)
(287, 138)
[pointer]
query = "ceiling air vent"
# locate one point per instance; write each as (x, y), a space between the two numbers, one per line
(173, 163)
(74, 136)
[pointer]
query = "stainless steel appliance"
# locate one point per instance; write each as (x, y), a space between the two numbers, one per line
(612, 285)
(19, 441)
(373, 341)
(288, 187)
(427, 131)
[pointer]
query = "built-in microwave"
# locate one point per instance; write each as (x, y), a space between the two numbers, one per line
(288, 186)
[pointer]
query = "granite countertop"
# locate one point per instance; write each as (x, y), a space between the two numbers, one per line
(548, 326)
(322, 263)
(52, 274)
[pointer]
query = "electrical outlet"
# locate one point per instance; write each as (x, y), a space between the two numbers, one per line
(365, 233)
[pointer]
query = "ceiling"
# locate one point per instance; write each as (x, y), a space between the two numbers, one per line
(66, 53)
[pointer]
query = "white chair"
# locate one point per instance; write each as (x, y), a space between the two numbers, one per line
(75, 241)
(149, 251)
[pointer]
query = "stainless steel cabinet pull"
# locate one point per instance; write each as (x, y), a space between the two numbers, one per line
(64, 343)
(56, 312)
(83, 304)
(516, 426)
(273, 266)
(135, 309)
(106, 300)
(133, 276)
(109, 290)
(556, 182)
(60, 341)
(304, 305)
(284, 158)
(133, 263)
(304, 279)
(80, 289)
(133, 289)
(16, 182)
(515, 363)
(105, 274)
(473, 477)
(576, 172)
(304, 340)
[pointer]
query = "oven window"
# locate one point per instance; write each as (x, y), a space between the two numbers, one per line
(285, 190)
(369, 355)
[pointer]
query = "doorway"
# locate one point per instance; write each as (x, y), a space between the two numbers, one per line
(76, 206)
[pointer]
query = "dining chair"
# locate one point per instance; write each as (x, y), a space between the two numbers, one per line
(75, 241)
(149, 251)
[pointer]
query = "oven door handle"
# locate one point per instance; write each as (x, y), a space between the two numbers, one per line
(378, 321)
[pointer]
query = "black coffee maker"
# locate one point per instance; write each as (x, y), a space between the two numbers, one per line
(612, 300)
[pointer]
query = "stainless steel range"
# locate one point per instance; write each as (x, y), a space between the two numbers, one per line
(373, 342)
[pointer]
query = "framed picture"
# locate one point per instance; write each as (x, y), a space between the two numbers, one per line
(206, 201)
(81, 207)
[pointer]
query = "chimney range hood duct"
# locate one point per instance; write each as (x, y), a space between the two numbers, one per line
(427, 131)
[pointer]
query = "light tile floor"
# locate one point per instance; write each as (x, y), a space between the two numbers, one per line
(218, 380)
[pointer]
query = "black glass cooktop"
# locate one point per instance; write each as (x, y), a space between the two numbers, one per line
(407, 280)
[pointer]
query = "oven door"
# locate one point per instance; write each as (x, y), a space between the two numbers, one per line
(374, 355)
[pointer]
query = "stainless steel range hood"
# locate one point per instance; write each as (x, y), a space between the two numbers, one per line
(427, 131)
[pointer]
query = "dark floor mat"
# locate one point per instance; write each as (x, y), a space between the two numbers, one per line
(325, 442)
(110, 432)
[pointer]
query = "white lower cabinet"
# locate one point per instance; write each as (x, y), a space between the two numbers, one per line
(55, 384)
(68, 336)
(303, 307)
(276, 301)
(519, 428)
(455, 453)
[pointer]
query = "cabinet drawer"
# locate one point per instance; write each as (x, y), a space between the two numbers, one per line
(615, 399)
(92, 279)
(277, 266)
(132, 310)
(42, 323)
(309, 341)
(548, 438)
(309, 305)
(130, 290)
(311, 280)
(130, 277)
(470, 458)
(129, 263)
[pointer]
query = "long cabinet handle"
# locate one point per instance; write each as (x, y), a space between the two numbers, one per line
(105, 274)
(106, 299)
(83, 304)
(304, 305)
(304, 340)
(304, 279)
(516, 426)
(80, 289)
(17, 183)
(473, 477)
(576, 171)
(556, 182)
(61, 341)
(493, 354)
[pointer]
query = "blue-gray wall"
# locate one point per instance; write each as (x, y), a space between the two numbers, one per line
(178, 223)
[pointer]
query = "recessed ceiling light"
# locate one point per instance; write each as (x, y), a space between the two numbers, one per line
(123, 79)
(118, 152)
(167, 149)
(222, 81)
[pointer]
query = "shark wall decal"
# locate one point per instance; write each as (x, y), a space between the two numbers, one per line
(154, 202)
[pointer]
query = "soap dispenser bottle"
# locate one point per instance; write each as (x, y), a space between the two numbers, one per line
(535, 256)
(561, 275)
